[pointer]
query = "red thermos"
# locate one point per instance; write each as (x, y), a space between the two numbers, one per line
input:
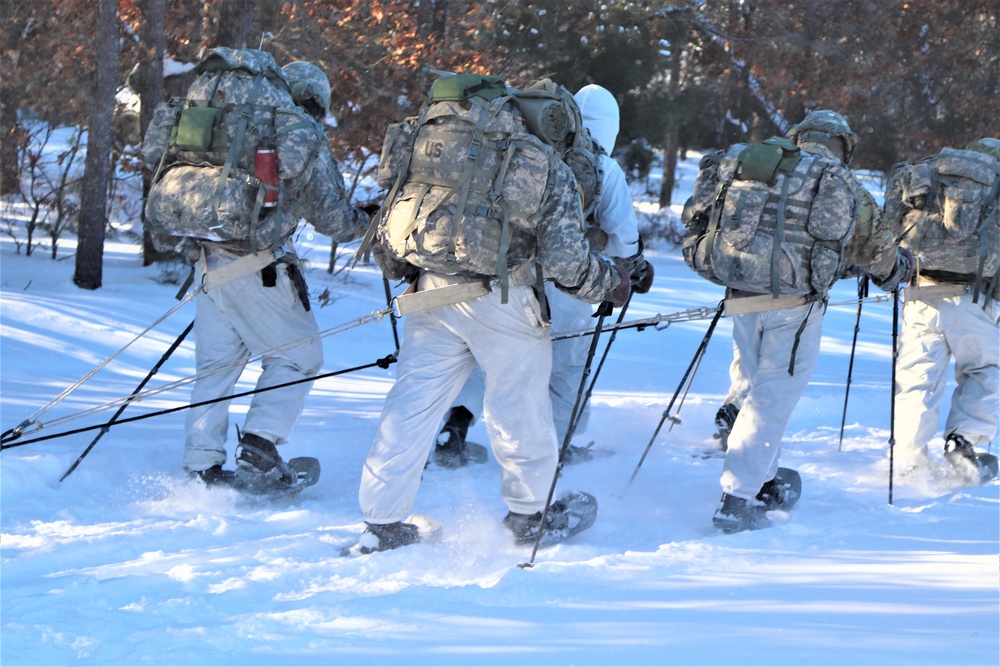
(265, 162)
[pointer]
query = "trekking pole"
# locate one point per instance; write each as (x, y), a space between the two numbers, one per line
(114, 419)
(862, 293)
(602, 312)
(696, 361)
(892, 387)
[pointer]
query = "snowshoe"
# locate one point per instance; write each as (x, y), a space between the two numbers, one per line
(977, 467)
(572, 514)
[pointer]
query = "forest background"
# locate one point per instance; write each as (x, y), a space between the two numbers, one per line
(912, 76)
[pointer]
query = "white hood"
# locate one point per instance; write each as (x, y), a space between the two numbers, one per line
(600, 114)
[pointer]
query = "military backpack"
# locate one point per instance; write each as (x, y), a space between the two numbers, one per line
(944, 209)
(771, 219)
(208, 148)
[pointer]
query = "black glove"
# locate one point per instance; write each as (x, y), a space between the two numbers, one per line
(618, 297)
(643, 279)
(369, 209)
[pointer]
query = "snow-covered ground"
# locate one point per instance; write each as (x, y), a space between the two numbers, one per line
(128, 563)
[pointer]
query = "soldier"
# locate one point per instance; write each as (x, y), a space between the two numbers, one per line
(612, 230)
(255, 302)
(945, 209)
(776, 337)
(501, 328)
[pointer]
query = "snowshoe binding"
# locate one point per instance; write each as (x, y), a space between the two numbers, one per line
(261, 471)
(572, 514)
(977, 467)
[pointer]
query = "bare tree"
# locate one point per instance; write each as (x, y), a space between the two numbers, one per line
(235, 22)
(149, 86)
(93, 212)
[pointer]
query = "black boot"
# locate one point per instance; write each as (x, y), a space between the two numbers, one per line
(963, 458)
(724, 420)
(450, 451)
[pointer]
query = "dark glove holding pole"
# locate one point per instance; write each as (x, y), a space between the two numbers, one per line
(618, 297)
(642, 280)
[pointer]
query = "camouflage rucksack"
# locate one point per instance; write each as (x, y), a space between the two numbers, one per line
(203, 150)
(769, 218)
(944, 209)
(467, 181)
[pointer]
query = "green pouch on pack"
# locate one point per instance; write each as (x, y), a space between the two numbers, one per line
(465, 85)
(195, 129)
(760, 162)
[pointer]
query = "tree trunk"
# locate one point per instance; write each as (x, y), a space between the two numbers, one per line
(11, 138)
(672, 140)
(149, 86)
(93, 209)
(235, 22)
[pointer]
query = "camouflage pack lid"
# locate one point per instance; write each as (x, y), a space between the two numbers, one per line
(822, 125)
(251, 60)
(310, 87)
(987, 145)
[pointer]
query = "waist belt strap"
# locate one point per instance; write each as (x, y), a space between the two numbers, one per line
(942, 291)
(244, 266)
(760, 304)
(412, 301)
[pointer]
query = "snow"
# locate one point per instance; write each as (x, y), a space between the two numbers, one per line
(126, 562)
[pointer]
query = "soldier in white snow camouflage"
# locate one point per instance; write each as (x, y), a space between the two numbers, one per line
(208, 201)
(518, 189)
(776, 346)
(945, 208)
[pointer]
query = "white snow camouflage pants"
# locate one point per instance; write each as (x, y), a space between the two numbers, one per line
(569, 357)
(233, 322)
(763, 344)
(439, 349)
(934, 332)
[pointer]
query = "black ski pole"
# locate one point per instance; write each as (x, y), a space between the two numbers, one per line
(392, 311)
(114, 419)
(666, 413)
(892, 387)
(862, 293)
(602, 312)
